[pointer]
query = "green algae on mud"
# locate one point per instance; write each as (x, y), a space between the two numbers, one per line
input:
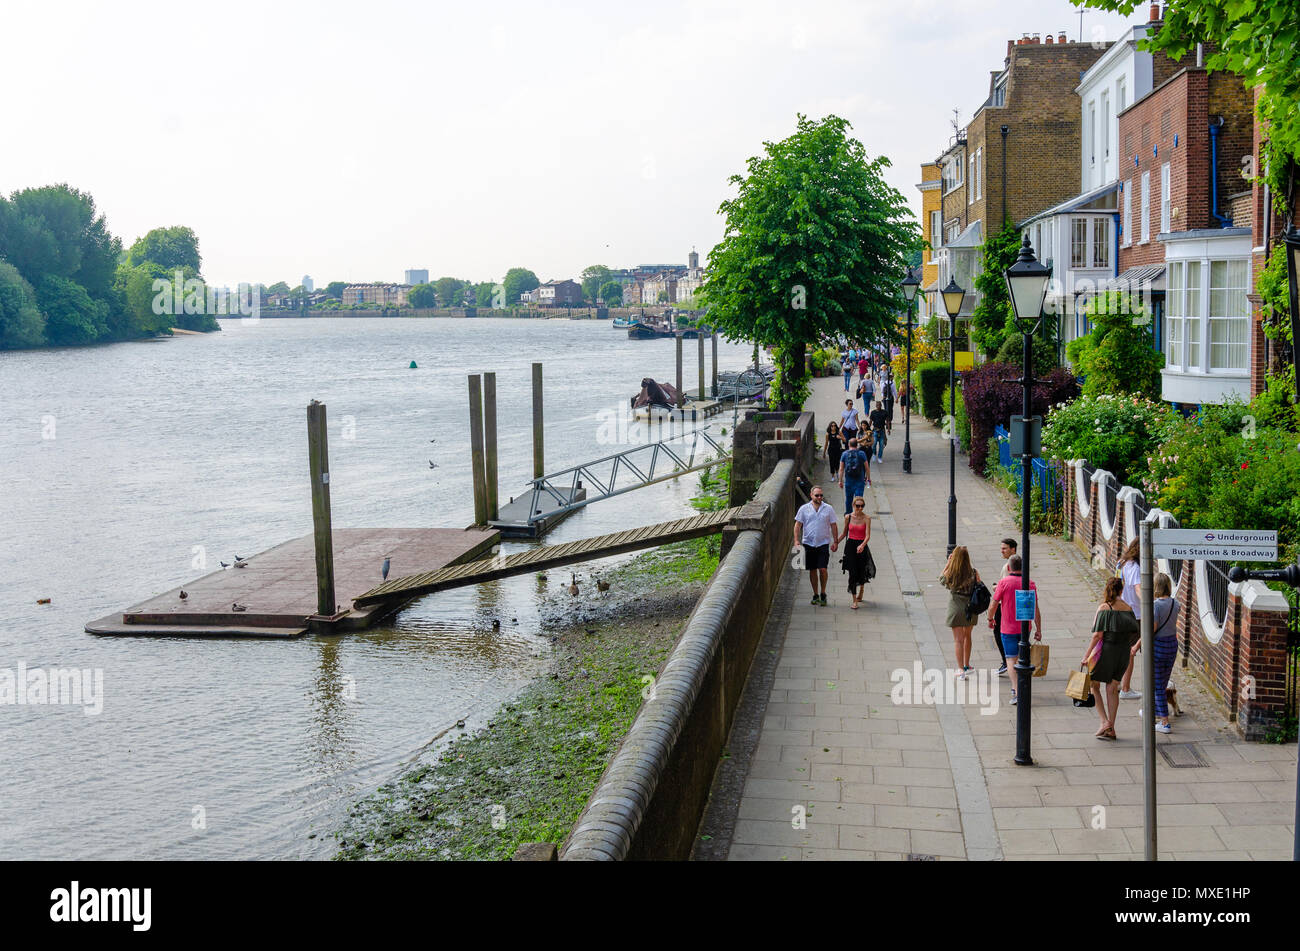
(528, 774)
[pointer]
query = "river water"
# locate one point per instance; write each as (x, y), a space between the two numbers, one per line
(124, 466)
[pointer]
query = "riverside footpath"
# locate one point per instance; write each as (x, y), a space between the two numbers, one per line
(841, 771)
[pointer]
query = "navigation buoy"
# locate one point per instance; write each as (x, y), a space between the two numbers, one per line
(413, 366)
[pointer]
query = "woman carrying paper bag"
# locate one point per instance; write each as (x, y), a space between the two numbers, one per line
(1114, 630)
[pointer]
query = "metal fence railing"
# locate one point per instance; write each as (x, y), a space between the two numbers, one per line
(1216, 577)
(1047, 477)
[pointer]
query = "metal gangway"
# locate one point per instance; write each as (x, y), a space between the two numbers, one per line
(638, 467)
(548, 556)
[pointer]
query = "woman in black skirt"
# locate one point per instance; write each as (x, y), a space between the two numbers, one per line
(835, 446)
(857, 556)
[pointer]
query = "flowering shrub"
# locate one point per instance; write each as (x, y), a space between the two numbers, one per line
(924, 349)
(1116, 433)
(1220, 470)
(991, 402)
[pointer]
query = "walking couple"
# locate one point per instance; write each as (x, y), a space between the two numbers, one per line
(817, 532)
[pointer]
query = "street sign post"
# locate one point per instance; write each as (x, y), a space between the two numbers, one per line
(1214, 544)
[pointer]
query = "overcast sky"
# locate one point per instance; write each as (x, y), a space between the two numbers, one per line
(351, 141)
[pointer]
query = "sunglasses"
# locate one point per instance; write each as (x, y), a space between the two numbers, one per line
(817, 495)
(857, 505)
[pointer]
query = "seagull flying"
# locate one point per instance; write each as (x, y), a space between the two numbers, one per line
(432, 464)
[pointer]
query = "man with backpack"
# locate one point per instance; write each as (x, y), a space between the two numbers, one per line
(854, 474)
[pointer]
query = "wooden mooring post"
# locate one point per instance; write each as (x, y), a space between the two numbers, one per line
(318, 459)
(539, 447)
(714, 337)
(681, 397)
(476, 448)
(700, 394)
(490, 442)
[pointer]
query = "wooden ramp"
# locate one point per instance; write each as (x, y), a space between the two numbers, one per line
(549, 556)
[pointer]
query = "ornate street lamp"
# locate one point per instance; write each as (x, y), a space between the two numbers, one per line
(1027, 286)
(953, 296)
(910, 285)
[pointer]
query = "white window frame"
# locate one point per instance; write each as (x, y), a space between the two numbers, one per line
(1099, 225)
(1081, 261)
(1175, 316)
(1128, 213)
(970, 192)
(936, 233)
(1146, 208)
(1239, 321)
(1165, 206)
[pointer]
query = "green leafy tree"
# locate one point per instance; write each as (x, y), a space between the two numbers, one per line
(611, 292)
(484, 291)
(451, 292)
(334, 289)
(815, 244)
(278, 288)
(593, 278)
(57, 230)
(174, 248)
(991, 321)
(1258, 40)
(144, 311)
(21, 323)
(72, 316)
(519, 280)
(1117, 356)
(422, 295)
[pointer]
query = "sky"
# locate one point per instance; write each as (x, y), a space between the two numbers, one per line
(351, 141)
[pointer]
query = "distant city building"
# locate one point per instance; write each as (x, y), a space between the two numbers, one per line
(385, 295)
(420, 276)
(307, 284)
(559, 293)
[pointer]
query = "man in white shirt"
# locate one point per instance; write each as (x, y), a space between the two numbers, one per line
(817, 530)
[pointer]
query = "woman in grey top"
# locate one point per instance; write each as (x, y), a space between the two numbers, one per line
(1164, 644)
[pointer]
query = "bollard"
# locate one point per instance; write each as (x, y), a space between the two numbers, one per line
(539, 464)
(490, 442)
(681, 401)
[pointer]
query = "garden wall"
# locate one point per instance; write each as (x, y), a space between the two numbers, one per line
(1232, 634)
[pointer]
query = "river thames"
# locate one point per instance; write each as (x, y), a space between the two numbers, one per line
(126, 466)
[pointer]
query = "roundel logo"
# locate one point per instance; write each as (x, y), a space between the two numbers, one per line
(1209, 536)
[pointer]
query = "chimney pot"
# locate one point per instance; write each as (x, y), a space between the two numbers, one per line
(1062, 39)
(1049, 40)
(1155, 12)
(1010, 45)
(1038, 37)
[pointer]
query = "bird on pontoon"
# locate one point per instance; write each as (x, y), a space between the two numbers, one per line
(573, 585)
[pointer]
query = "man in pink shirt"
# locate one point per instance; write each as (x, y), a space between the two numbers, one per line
(1004, 594)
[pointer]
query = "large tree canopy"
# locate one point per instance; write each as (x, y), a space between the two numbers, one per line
(518, 280)
(1259, 40)
(593, 278)
(173, 248)
(815, 245)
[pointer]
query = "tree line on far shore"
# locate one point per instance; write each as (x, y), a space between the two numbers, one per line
(65, 280)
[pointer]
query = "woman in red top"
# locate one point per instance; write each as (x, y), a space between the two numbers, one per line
(857, 559)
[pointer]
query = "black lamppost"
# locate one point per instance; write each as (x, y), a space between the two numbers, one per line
(910, 285)
(1027, 285)
(952, 301)
(1292, 269)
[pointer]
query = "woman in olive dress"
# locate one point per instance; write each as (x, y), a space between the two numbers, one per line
(959, 577)
(1115, 630)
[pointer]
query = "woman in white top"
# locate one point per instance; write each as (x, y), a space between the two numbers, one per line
(1130, 572)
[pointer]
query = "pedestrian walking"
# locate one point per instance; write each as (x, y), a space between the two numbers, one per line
(890, 395)
(1004, 595)
(1164, 645)
(878, 435)
(854, 473)
(863, 366)
(959, 577)
(1129, 571)
(857, 560)
(816, 529)
(848, 373)
(866, 392)
(1114, 629)
(1008, 549)
(835, 446)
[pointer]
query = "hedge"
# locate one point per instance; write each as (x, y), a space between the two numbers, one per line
(933, 379)
(959, 413)
(991, 402)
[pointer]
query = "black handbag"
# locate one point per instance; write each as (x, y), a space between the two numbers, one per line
(980, 599)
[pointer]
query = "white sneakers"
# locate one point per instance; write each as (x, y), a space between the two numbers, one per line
(1130, 695)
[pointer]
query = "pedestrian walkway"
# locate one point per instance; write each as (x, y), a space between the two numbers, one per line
(841, 771)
